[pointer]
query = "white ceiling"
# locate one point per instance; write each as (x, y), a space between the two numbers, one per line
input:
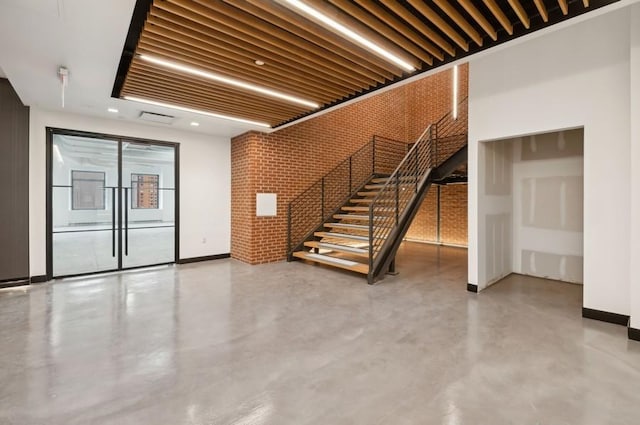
(87, 37)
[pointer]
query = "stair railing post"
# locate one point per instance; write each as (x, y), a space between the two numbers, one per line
(435, 143)
(371, 230)
(373, 156)
(397, 198)
(322, 200)
(350, 173)
(416, 166)
(289, 257)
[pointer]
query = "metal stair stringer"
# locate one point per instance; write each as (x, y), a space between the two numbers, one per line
(386, 255)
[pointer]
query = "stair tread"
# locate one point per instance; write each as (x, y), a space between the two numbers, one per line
(370, 200)
(333, 261)
(385, 179)
(358, 208)
(347, 226)
(341, 236)
(356, 217)
(364, 252)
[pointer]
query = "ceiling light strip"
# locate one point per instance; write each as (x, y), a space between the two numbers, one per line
(351, 34)
(226, 80)
(195, 111)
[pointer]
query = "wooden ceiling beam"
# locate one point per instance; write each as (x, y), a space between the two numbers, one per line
(160, 76)
(153, 91)
(213, 9)
(459, 20)
(414, 24)
(222, 42)
(442, 25)
(499, 15)
(213, 107)
(520, 12)
(262, 45)
(352, 23)
(249, 24)
(376, 24)
(564, 6)
(239, 102)
(266, 74)
(479, 18)
(161, 95)
(162, 50)
(314, 33)
(542, 10)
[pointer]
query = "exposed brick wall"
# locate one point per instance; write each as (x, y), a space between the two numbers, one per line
(453, 217)
(289, 160)
(453, 214)
(424, 226)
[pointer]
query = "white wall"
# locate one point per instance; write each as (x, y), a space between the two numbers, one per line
(205, 182)
(635, 166)
(495, 184)
(548, 205)
(577, 76)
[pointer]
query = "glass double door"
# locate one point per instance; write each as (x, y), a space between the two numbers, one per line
(112, 204)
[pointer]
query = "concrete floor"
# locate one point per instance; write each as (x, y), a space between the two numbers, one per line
(90, 251)
(227, 343)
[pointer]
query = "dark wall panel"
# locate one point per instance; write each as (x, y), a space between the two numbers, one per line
(14, 185)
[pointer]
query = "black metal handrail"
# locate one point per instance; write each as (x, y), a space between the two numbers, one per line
(316, 204)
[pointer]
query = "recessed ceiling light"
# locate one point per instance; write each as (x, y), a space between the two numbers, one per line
(195, 111)
(258, 62)
(227, 80)
(347, 32)
(112, 110)
(195, 124)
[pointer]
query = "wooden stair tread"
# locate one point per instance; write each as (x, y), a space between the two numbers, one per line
(361, 252)
(334, 262)
(334, 235)
(356, 217)
(370, 200)
(348, 226)
(361, 209)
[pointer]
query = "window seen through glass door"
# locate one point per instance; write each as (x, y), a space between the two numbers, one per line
(144, 191)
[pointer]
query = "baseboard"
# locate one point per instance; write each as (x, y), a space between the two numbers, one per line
(472, 288)
(38, 279)
(14, 282)
(605, 316)
(205, 258)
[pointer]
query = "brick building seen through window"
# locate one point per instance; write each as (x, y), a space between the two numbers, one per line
(144, 191)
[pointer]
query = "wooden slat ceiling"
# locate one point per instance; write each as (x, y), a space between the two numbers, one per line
(305, 58)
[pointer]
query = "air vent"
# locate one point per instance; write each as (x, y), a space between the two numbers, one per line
(157, 118)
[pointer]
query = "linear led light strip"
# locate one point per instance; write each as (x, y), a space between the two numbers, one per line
(195, 111)
(226, 80)
(455, 92)
(351, 34)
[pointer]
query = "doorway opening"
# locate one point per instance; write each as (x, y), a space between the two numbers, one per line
(112, 203)
(531, 207)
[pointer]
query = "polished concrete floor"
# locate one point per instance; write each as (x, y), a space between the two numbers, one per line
(88, 249)
(288, 343)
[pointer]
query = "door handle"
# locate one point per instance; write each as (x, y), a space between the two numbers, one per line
(126, 221)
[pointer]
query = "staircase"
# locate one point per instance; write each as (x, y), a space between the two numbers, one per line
(359, 226)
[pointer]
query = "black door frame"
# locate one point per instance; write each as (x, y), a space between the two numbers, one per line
(120, 139)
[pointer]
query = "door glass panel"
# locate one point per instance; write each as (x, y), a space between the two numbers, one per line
(84, 191)
(148, 198)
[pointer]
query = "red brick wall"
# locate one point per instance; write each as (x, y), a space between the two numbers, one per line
(453, 217)
(287, 161)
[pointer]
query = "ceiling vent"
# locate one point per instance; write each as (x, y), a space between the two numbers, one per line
(157, 118)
